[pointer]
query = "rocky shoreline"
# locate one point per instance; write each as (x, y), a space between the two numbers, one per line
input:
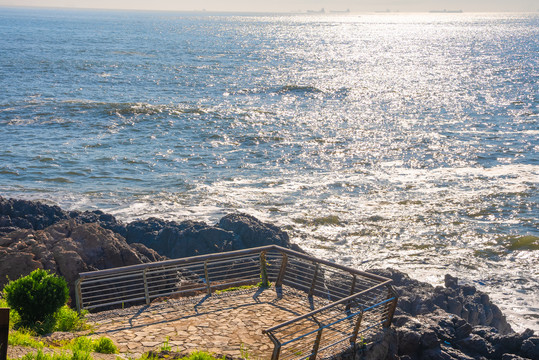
(450, 322)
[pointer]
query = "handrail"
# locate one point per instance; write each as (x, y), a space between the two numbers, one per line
(331, 264)
(333, 304)
(205, 257)
(187, 260)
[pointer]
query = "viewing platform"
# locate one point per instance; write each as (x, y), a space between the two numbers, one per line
(267, 303)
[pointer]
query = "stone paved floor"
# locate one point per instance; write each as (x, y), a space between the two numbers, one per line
(223, 324)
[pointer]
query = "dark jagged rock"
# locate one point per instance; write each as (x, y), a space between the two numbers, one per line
(176, 240)
(435, 336)
(168, 238)
(434, 323)
(94, 240)
(252, 232)
(67, 248)
(417, 298)
(530, 348)
(23, 214)
(190, 238)
(512, 357)
(106, 221)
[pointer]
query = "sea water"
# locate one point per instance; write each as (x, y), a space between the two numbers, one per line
(376, 140)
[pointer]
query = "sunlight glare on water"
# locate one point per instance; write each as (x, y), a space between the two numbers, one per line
(402, 140)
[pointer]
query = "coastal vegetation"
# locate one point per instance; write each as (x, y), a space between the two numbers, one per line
(38, 303)
(79, 348)
(38, 307)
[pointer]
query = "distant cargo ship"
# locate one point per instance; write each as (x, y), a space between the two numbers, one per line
(339, 11)
(321, 11)
(444, 11)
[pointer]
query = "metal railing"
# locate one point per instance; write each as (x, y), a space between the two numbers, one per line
(349, 306)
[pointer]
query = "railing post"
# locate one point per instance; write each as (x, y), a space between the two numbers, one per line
(4, 332)
(78, 295)
(316, 345)
(392, 306)
(311, 290)
(146, 292)
(352, 290)
(280, 277)
(263, 270)
(276, 348)
(207, 277)
(353, 339)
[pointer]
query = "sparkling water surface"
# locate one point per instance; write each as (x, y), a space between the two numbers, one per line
(375, 140)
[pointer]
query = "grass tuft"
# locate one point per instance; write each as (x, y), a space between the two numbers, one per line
(24, 337)
(68, 319)
(105, 345)
(81, 343)
(40, 355)
(200, 355)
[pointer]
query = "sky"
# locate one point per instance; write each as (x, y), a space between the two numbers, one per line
(288, 5)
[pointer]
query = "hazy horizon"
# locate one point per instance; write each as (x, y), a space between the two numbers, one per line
(287, 6)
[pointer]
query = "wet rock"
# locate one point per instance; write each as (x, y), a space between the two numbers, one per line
(434, 354)
(22, 214)
(176, 240)
(190, 238)
(384, 347)
(509, 343)
(441, 335)
(106, 221)
(463, 331)
(452, 322)
(530, 348)
(512, 357)
(468, 290)
(466, 302)
(252, 232)
(168, 238)
(408, 341)
(429, 340)
(475, 345)
(451, 282)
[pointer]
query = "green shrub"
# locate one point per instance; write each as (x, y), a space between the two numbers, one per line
(36, 297)
(105, 345)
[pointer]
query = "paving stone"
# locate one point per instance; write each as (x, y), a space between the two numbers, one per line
(150, 344)
(221, 324)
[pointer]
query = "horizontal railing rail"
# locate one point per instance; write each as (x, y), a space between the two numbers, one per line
(349, 306)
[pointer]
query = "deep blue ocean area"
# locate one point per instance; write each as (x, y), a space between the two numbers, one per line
(375, 140)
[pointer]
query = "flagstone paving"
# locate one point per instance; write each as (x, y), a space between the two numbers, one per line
(228, 323)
